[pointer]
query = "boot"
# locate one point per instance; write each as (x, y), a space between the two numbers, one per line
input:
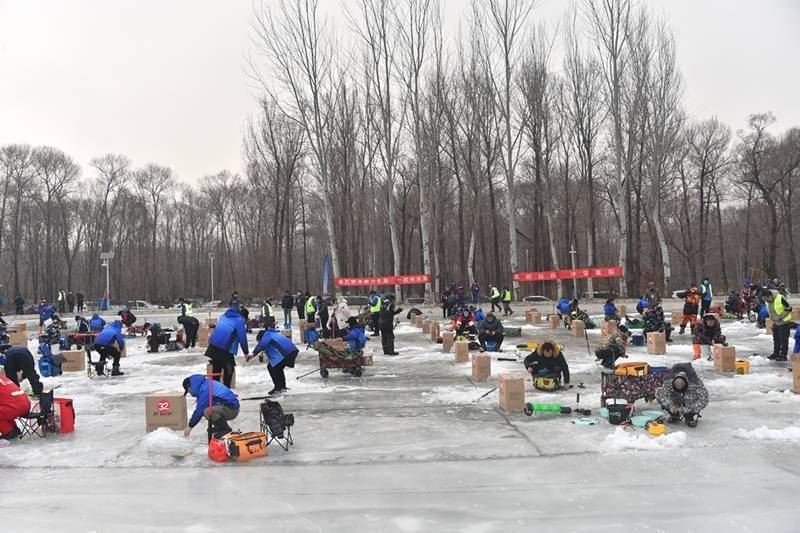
(773, 356)
(691, 420)
(780, 358)
(100, 369)
(683, 329)
(115, 371)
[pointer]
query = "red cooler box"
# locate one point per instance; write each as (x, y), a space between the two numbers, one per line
(65, 414)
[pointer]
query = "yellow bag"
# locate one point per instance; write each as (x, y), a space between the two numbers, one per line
(547, 384)
(631, 369)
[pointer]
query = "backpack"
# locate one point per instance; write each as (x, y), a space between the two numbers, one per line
(49, 365)
(312, 336)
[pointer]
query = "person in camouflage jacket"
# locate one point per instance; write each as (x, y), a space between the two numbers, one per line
(706, 334)
(654, 322)
(683, 394)
(612, 347)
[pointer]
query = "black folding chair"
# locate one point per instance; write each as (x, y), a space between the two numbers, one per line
(276, 425)
(39, 423)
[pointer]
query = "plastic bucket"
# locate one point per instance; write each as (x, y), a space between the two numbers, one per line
(618, 413)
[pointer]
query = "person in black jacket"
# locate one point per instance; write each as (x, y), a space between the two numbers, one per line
(490, 328)
(19, 303)
(287, 302)
(20, 359)
(300, 304)
(386, 320)
(548, 367)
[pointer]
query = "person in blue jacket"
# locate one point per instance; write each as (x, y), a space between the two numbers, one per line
(281, 352)
(610, 309)
(224, 405)
(563, 306)
(480, 316)
(356, 338)
(109, 344)
(642, 305)
(46, 312)
(97, 323)
(229, 334)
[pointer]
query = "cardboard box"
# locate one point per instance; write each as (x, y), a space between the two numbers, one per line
(287, 333)
(211, 322)
(512, 392)
(795, 314)
(434, 331)
(448, 337)
(210, 369)
(426, 326)
(368, 360)
(18, 338)
(535, 318)
(608, 327)
(724, 358)
(553, 321)
(796, 373)
(676, 319)
(462, 352)
(481, 366)
(578, 328)
(167, 409)
(75, 360)
(530, 313)
(337, 344)
(420, 320)
(768, 324)
(656, 343)
(19, 328)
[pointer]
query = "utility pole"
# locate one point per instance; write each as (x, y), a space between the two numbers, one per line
(211, 257)
(106, 257)
(572, 253)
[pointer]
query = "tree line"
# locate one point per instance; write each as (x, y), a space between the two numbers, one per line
(403, 152)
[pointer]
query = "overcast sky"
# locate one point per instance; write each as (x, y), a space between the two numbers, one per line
(165, 80)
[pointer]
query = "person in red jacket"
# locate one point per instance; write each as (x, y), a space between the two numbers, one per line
(13, 403)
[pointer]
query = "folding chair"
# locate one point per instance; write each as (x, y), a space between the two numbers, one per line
(39, 422)
(276, 424)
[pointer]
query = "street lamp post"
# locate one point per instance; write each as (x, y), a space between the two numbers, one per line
(572, 253)
(106, 257)
(211, 257)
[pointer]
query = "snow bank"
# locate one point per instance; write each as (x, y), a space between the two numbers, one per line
(787, 434)
(622, 440)
(166, 441)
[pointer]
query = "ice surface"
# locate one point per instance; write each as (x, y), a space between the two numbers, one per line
(764, 433)
(409, 447)
(622, 440)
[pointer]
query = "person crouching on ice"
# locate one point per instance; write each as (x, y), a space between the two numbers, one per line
(224, 405)
(281, 352)
(683, 395)
(548, 367)
(706, 334)
(109, 344)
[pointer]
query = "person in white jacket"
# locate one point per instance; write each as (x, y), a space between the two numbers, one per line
(341, 313)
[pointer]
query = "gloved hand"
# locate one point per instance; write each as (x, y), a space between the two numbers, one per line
(248, 357)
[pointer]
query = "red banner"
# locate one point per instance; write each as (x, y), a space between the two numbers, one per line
(381, 281)
(578, 273)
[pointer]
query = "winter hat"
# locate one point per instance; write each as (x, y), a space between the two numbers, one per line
(352, 322)
(186, 386)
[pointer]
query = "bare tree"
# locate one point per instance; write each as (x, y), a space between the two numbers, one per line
(294, 37)
(504, 27)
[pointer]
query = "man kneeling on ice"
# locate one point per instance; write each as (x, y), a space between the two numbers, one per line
(683, 394)
(224, 406)
(281, 352)
(547, 366)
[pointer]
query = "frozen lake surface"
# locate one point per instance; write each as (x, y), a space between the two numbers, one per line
(408, 447)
